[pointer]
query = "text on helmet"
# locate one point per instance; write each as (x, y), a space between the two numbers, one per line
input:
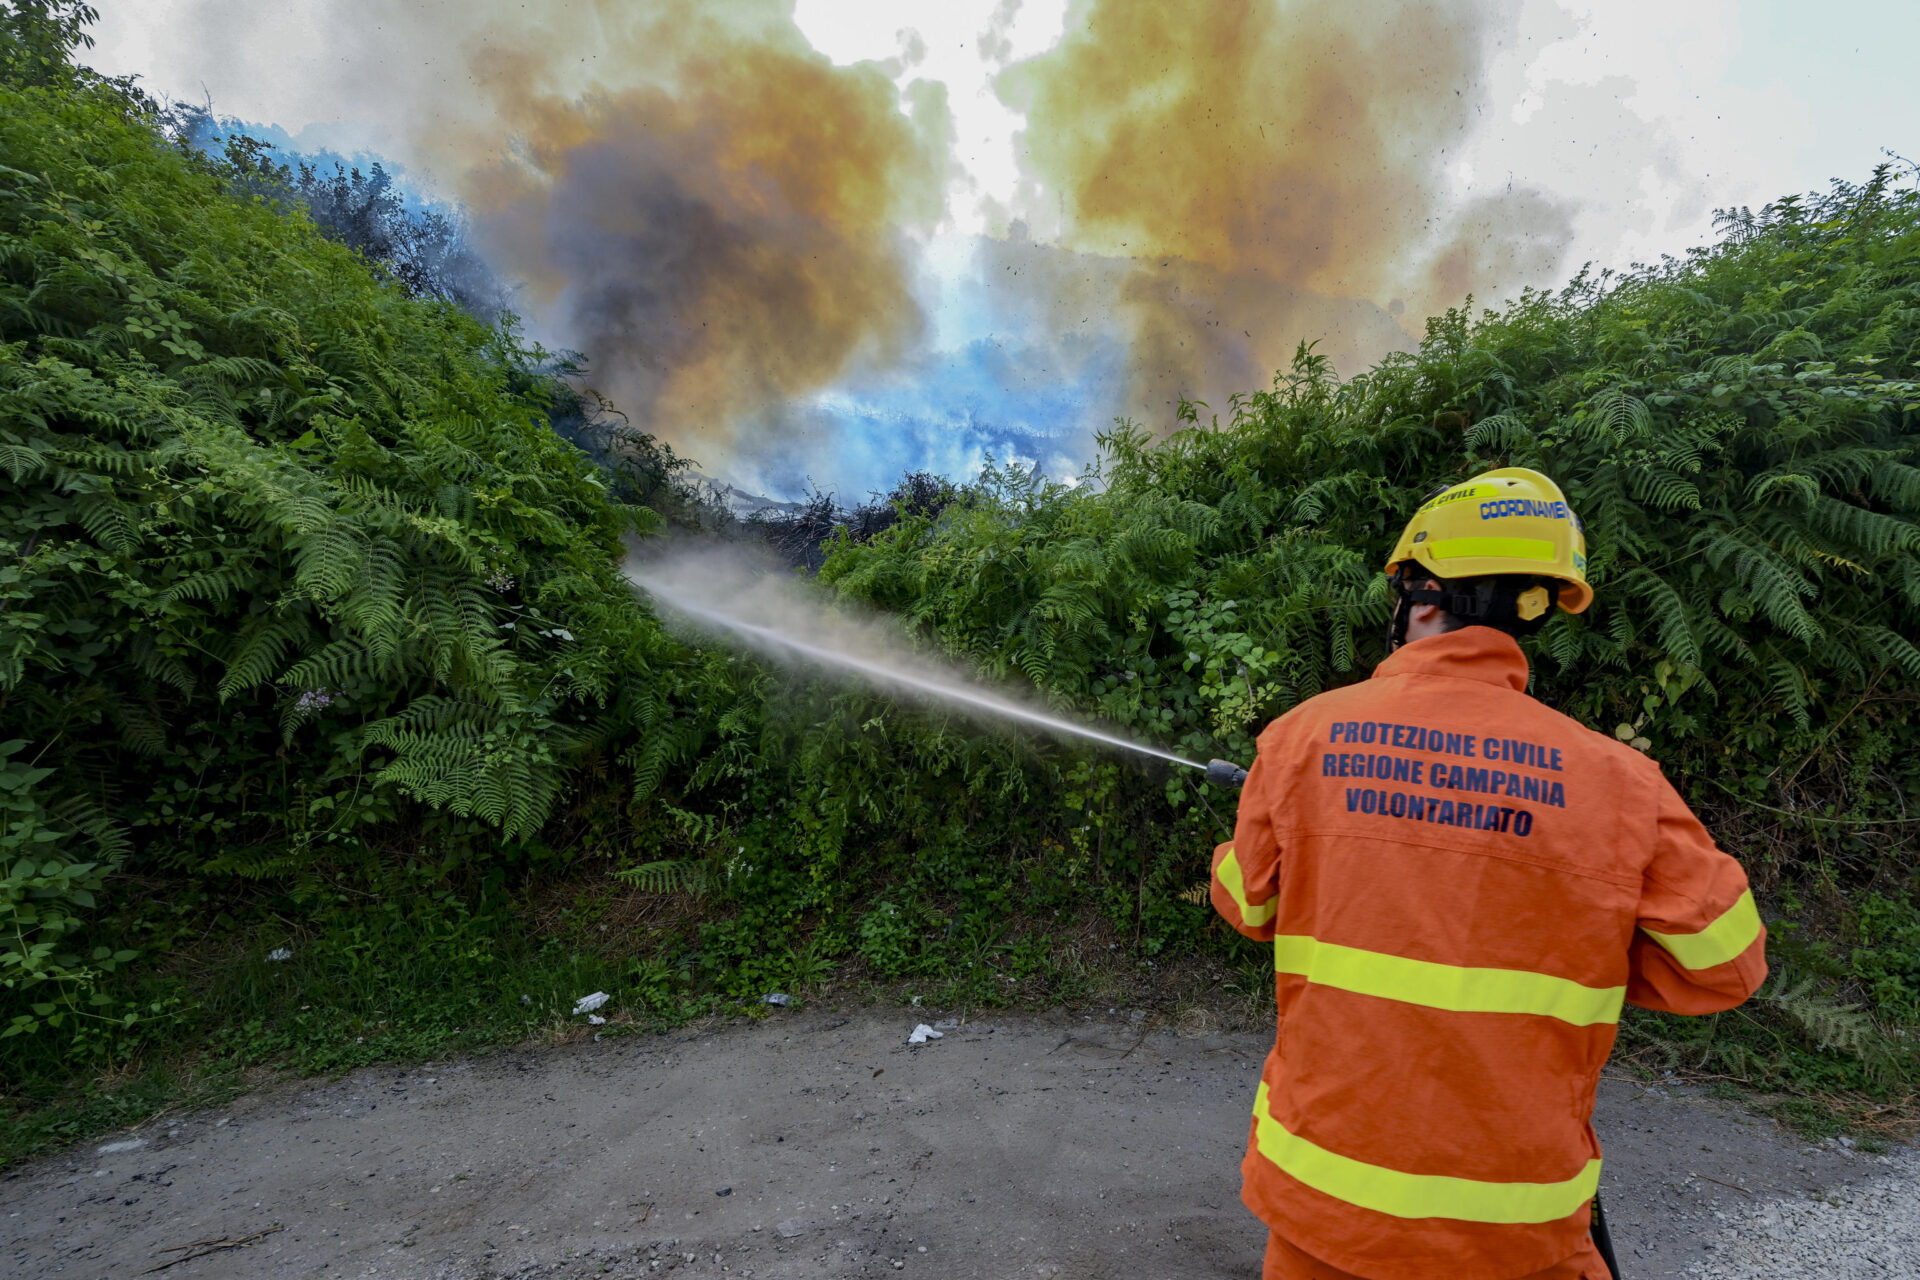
(1523, 507)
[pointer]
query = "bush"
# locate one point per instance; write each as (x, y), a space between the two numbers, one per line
(1740, 432)
(296, 573)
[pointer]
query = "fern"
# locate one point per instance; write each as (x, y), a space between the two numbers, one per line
(665, 876)
(1828, 1022)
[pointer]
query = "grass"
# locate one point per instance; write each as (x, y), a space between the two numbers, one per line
(377, 985)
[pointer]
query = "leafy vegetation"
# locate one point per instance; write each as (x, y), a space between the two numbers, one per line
(313, 641)
(1739, 431)
(286, 550)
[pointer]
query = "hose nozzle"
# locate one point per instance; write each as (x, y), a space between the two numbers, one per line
(1225, 773)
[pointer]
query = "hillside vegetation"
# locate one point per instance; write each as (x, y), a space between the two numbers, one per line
(332, 732)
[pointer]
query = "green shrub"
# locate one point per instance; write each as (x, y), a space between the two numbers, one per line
(1887, 962)
(1740, 432)
(296, 574)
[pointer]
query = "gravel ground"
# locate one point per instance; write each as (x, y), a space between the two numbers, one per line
(1866, 1229)
(812, 1144)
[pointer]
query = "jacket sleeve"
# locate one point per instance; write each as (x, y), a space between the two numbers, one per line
(1246, 870)
(1700, 946)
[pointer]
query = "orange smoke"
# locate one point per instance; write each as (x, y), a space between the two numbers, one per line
(1272, 170)
(723, 229)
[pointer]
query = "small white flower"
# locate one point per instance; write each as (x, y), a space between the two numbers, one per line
(279, 953)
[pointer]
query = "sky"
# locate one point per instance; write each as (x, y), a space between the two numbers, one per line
(1631, 120)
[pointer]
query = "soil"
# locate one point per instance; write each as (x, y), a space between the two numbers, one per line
(807, 1144)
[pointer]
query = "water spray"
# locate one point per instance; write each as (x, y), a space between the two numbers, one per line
(769, 614)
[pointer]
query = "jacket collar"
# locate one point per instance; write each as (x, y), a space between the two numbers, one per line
(1471, 653)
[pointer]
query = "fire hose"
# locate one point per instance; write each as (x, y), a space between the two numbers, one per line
(1225, 773)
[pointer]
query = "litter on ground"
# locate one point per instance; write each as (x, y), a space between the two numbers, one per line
(587, 1004)
(923, 1033)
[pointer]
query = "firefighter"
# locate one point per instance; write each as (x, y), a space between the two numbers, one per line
(1462, 887)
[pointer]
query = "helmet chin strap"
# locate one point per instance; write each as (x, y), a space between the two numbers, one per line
(1506, 603)
(1402, 614)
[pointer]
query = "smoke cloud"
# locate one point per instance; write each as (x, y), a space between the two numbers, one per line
(740, 235)
(1271, 171)
(719, 217)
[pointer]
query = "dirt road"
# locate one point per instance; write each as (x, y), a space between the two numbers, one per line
(811, 1144)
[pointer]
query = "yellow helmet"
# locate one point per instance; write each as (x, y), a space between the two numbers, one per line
(1508, 521)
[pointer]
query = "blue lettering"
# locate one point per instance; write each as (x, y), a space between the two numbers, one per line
(1369, 801)
(1399, 806)
(1523, 507)
(1339, 731)
(1368, 731)
(1328, 766)
(1522, 823)
(1555, 766)
(1557, 796)
(1353, 799)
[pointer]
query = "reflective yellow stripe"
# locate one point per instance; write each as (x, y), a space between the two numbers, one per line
(1445, 986)
(1502, 548)
(1251, 914)
(1417, 1195)
(1720, 941)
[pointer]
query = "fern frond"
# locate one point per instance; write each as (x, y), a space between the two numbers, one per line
(665, 876)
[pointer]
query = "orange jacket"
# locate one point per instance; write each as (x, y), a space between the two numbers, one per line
(1461, 886)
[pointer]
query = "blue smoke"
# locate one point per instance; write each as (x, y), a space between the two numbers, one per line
(989, 384)
(1002, 396)
(318, 145)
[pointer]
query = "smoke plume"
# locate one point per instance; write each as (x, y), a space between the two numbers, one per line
(1272, 170)
(717, 216)
(735, 231)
